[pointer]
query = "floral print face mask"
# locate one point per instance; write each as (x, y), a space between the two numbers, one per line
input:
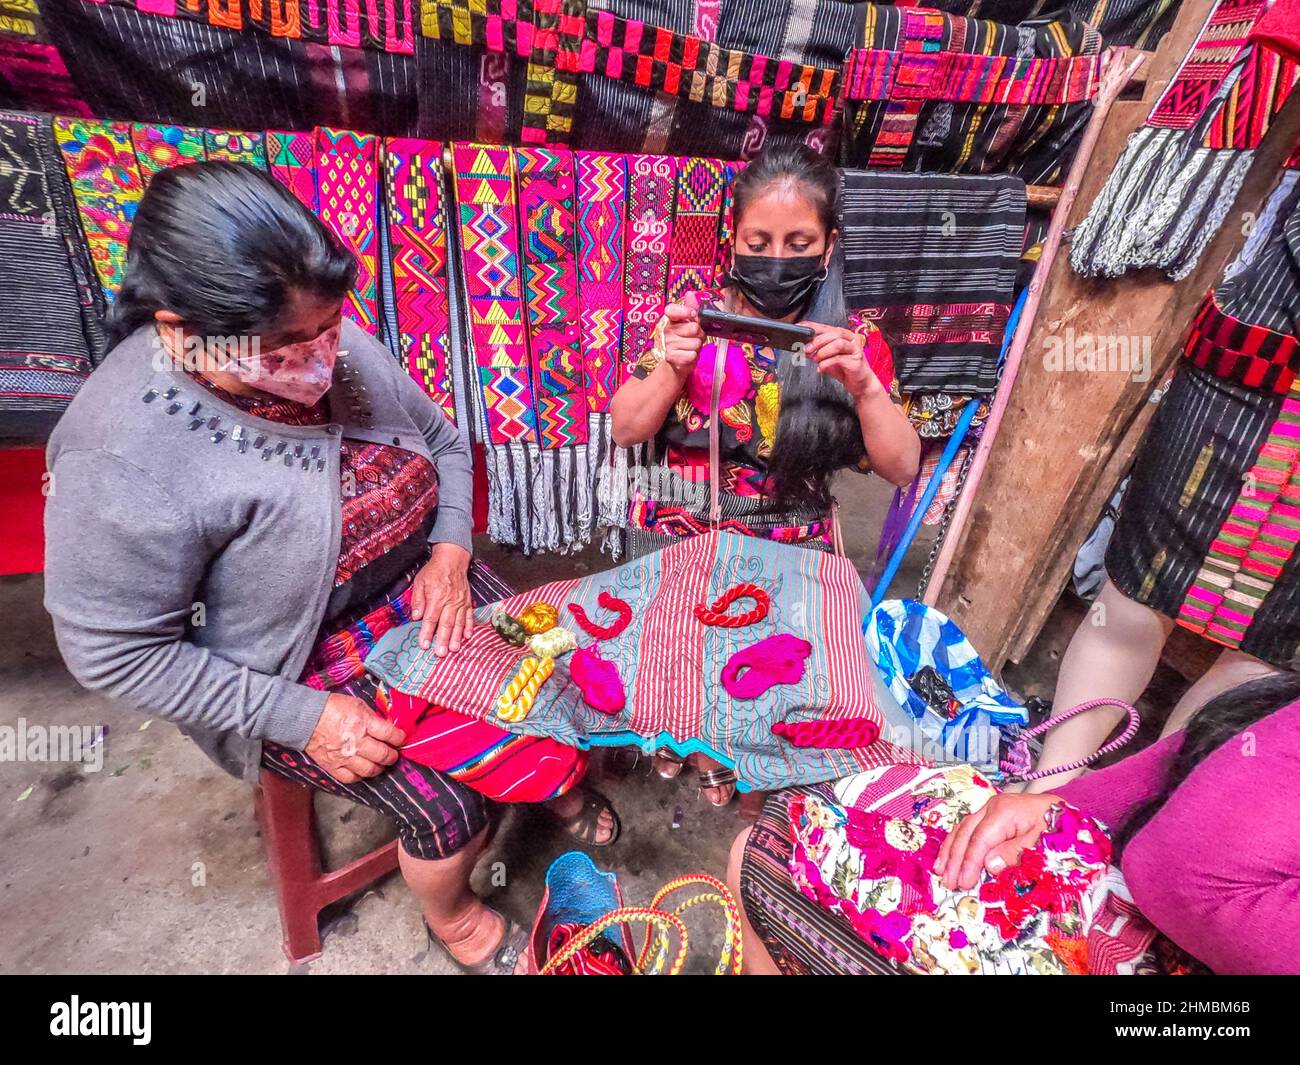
(300, 372)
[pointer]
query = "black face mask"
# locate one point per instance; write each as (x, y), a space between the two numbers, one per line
(776, 285)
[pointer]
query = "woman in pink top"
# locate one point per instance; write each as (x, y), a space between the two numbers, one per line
(1203, 824)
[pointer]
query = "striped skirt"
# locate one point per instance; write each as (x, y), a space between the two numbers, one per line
(1208, 528)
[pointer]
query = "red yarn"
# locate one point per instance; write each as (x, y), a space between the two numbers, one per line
(716, 614)
(603, 632)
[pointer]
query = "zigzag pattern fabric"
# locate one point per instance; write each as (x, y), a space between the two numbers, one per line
(291, 157)
(546, 219)
(700, 184)
(347, 195)
(489, 239)
(1180, 173)
(651, 193)
(417, 236)
(602, 200)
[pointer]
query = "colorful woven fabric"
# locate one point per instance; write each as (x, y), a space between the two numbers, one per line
(932, 261)
(485, 196)
(1208, 529)
(160, 147)
(694, 251)
(602, 199)
(235, 147)
(651, 193)
(291, 158)
(32, 71)
(931, 91)
(869, 858)
(650, 57)
(726, 227)
(417, 235)
(669, 663)
(47, 346)
(502, 765)
(107, 186)
(1180, 173)
(347, 195)
(551, 87)
(550, 281)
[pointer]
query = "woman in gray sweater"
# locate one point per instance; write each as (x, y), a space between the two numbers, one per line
(246, 493)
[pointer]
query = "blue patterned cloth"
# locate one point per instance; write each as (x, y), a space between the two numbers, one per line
(903, 636)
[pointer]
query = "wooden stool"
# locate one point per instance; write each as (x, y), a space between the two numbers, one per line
(303, 888)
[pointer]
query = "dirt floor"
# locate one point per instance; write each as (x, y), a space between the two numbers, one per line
(154, 864)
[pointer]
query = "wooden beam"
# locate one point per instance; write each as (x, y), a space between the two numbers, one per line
(1064, 435)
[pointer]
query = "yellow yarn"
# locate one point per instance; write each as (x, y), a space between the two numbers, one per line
(767, 409)
(538, 617)
(517, 699)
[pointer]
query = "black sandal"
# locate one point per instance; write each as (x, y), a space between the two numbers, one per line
(721, 777)
(501, 962)
(584, 824)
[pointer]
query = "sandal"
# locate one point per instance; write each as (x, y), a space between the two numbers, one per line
(720, 778)
(668, 763)
(584, 824)
(501, 962)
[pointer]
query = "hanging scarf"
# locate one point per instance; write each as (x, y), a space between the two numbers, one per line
(652, 181)
(694, 250)
(236, 147)
(292, 160)
(49, 333)
(602, 201)
(563, 514)
(932, 261)
(1180, 173)
(417, 238)
(107, 186)
(347, 192)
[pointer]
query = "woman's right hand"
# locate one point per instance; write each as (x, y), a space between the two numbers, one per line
(682, 335)
(992, 838)
(351, 741)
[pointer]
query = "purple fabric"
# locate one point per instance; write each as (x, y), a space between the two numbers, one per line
(1217, 870)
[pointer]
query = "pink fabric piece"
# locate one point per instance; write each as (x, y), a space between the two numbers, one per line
(736, 380)
(598, 679)
(777, 660)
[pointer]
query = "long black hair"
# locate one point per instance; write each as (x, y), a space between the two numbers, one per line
(1218, 721)
(817, 431)
(222, 245)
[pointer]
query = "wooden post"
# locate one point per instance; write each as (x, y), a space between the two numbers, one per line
(1067, 438)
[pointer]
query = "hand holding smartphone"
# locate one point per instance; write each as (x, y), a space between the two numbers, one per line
(763, 331)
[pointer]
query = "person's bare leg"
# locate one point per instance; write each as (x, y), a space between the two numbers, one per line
(468, 928)
(1112, 654)
(757, 961)
(1230, 669)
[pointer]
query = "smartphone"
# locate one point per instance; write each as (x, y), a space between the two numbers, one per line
(764, 331)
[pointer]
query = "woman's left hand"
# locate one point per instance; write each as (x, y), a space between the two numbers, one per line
(840, 353)
(440, 600)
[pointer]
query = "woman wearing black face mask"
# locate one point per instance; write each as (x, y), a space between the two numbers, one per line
(788, 421)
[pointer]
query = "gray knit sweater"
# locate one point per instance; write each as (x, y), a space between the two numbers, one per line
(191, 547)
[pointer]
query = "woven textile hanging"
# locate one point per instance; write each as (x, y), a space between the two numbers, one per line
(50, 334)
(161, 147)
(1180, 173)
(929, 91)
(347, 196)
(291, 157)
(106, 183)
(417, 240)
(932, 259)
